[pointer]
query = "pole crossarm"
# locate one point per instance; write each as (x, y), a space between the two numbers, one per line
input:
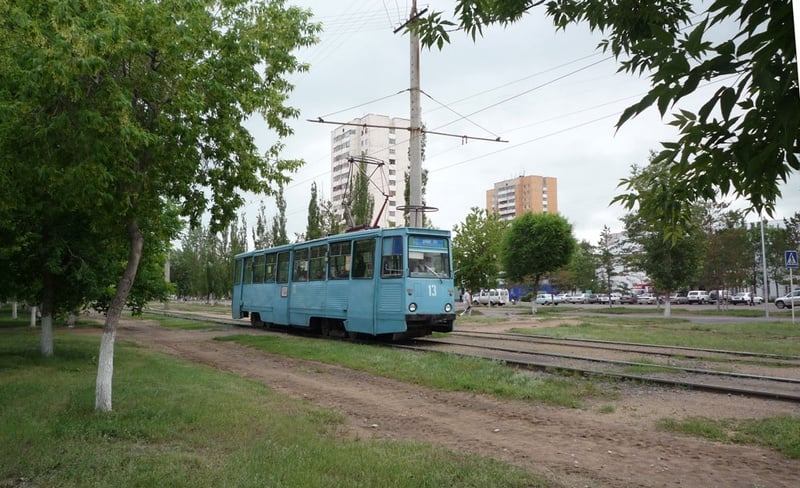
(320, 120)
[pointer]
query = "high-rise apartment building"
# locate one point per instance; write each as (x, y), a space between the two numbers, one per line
(524, 194)
(377, 138)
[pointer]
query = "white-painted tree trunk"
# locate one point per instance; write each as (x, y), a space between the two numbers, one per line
(105, 363)
(34, 309)
(14, 311)
(667, 311)
(105, 370)
(47, 335)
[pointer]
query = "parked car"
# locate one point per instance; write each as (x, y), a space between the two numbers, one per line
(745, 298)
(715, 296)
(614, 297)
(547, 299)
(679, 298)
(698, 297)
(628, 299)
(603, 298)
(578, 298)
(647, 298)
(789, 300)
(592, 298)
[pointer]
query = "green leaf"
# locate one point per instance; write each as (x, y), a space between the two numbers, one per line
(727, 101)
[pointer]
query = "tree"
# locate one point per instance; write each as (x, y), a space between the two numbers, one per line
(261, 232)
(608, 257)
(729, 259)
(536, 244)
(361, 202)
(330, 220)
(476, 249)
(139, 103)
(581, 271)
(314, 226)
(279, 237)
(775, 243)
(792, 226)
(744, 139)
(670, 260)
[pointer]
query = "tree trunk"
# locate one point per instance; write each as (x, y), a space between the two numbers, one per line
(47, 335)
(48, 308)
(105, 363)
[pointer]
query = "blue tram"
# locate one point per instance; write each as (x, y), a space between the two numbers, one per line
(394, 282)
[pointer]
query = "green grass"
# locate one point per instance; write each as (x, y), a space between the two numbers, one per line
(181, 425)
(191, 306)
(442, 371)
(647, 365)
(181, 323)
(780, 433)
(781, 338)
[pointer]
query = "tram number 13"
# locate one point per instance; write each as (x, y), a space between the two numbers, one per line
(431, 290)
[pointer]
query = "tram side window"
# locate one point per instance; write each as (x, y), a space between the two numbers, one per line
(363, 257)
(283, 267)
(339, 261)
(269, 268)
(248, 270)
(392, 257)
(258, 268)
(300, 272)
(237, 272)
(317, 262)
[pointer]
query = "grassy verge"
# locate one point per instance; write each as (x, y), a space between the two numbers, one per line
(781, 433)
(441, 371)
(179, 425)
(781, 338)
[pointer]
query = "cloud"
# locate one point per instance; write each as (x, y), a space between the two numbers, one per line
(552, 95)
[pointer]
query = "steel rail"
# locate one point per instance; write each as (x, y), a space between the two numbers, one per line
(522, 337)
(698, 385)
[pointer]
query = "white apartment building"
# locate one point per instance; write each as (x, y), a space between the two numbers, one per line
(379, 139)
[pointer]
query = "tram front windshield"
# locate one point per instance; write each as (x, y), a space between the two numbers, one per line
(428, 257)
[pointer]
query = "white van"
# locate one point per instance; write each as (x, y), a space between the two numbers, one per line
(502, 297)
(491, 297)
(698, 297)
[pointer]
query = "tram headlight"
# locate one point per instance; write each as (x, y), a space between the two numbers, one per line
(412, 307)
(448, 307)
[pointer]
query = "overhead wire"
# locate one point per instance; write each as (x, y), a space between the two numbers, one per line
(565, 129)
(344, 28)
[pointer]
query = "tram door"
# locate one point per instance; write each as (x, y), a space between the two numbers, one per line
(280, 291)
(390, 316)
(236, 299)
(361, 294)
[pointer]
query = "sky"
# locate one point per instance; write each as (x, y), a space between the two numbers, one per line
(552, 95)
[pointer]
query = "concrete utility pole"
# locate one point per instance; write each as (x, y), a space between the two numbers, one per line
(415, 144)
(796, 10)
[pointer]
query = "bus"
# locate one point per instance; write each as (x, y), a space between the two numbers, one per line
(394, 283)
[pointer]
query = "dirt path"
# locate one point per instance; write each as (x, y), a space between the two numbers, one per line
(570, 447)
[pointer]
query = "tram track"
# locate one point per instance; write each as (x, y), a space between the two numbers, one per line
(714, 380)
(776, 360)
(531, 352)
